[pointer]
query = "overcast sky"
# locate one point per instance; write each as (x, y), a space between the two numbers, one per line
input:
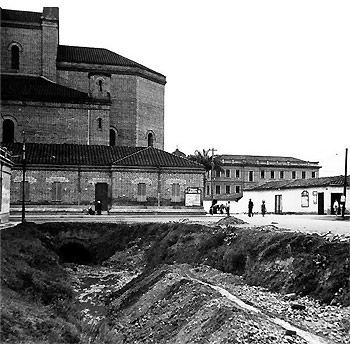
(245, 77)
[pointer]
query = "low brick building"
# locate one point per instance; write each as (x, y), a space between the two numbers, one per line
(71, 177)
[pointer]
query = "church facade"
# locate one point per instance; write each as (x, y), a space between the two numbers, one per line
(86, 124)
(68, 94)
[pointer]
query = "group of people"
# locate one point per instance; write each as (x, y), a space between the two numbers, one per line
(251, 205)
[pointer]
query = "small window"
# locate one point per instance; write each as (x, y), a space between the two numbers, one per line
(8, 131)
(141, 192)
(238, 173)
(218, 189)
(304, 199)
(99, 121)
(228, 173)
(100, 83)
(175, 192)
(272, 174)
(150, 139)
(218, 173)
(251, 176)
(294, 174)
(313, 174)
(262, 174)
(281, 174)
(26, 191)
(238, 189)
(208, 190)
(303, 174)
(15, 57)
(56, 194)
(112, 137)
(228, 189)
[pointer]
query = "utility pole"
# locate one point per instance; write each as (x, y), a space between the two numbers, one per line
(345, 177)
(212, 173)
(23, 177)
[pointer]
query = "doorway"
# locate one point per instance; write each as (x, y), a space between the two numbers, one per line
(101, 194)
(320, 202)
(334, 197)
(278, 204)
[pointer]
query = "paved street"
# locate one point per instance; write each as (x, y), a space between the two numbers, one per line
(305, 223)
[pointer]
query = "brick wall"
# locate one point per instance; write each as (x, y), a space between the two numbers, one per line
(77, 187)
(30, 49)
(125, 186)
(150, 112)
(58, 123)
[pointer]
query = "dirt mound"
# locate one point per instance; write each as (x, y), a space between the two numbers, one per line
(230, 221)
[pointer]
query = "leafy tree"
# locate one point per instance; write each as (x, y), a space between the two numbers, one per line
(206, 159)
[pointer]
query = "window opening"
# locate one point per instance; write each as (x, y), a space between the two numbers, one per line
(99, 123)
(14, 57)
(228, 189)
(100, 85)
(251, 176)
(56, 191)
(150, 140)
(217, 189)
(305, 199)
(112, 137)
(238, 189)
(8, 131)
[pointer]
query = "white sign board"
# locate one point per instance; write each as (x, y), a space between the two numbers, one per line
(193, 197)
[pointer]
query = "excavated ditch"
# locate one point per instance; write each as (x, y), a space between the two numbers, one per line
(182, 283)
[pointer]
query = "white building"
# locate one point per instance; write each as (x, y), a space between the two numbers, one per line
(300, 196)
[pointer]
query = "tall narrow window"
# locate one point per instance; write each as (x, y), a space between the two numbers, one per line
(99, 120)
(262, 174)
(238, 173)
(305, 198)
(238, 189)
(281, 174)
(56, 190)
(294, 175)
(251, 176)
(100, 85)
(228, 173)
(303, 174)
(15, 57)
(218, 189)
(8, 131)
(150, 140)
(175, 192)
(26, 191)
(272, 176)
(141, 192)
(228, 189)
(112, 137)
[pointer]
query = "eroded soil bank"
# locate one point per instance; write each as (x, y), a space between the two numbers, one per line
(153, 283)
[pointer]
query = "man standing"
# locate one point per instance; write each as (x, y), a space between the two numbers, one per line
(250, 207)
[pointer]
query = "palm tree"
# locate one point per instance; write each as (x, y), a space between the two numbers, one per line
(208, 162)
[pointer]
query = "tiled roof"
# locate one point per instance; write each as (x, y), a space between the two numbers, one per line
(253, 159)
(20, 16)
(22, 87)
(100, 56)
(96, 155)
(154, 157)
(302, 183)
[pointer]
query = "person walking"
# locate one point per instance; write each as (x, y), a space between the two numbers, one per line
(250, 207)
(228, 208)
(263, 208)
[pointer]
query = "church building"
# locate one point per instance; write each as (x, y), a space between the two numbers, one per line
(92, 122)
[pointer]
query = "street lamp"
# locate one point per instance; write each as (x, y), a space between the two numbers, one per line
(345, 180)
(23, 177)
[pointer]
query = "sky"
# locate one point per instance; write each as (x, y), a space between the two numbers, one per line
(255, 77)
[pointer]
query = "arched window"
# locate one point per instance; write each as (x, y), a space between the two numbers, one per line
(15, 57)
(8, 131)
(150, 138)
(112, 137)
(99, 120)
